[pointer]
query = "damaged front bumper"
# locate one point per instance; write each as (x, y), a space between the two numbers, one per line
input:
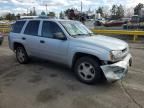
(117, 71)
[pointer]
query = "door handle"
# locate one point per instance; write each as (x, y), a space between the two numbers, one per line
(23, 38)
(42, 41)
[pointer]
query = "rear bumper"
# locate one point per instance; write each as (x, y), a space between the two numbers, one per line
(117, 70)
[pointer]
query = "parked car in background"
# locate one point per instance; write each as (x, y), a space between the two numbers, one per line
(136, 22)
(126, 20)
(92, 57)
(114, 23)
(99, 22)
(1, 38)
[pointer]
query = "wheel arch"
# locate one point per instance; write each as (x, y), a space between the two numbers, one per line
(78, 55)
(16, 44)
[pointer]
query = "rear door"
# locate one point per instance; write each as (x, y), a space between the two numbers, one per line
(31, 37)
(15, 34)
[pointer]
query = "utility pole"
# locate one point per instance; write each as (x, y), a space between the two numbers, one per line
(46, 9)
(27, 11)
(34, 11)
(33, 8)
(81, 6)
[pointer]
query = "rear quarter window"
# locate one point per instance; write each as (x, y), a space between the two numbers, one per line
(17, 27)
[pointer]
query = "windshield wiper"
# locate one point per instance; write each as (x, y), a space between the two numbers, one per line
(80, 34)
(91, 34)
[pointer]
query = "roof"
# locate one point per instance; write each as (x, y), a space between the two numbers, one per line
(44, 19)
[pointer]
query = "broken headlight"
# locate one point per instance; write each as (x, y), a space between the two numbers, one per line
(116, 55)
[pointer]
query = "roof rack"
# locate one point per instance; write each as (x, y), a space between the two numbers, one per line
(37, 17)
(28, 17)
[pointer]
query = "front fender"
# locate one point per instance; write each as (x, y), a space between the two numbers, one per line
(100, 53)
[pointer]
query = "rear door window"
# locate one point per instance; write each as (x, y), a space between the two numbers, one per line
(17, 27)
(32, 28)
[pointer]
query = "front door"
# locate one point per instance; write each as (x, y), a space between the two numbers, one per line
(52, 48)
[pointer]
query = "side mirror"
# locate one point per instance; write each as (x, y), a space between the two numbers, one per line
(59, 35)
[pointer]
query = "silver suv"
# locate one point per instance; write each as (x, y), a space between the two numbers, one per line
(69, 42)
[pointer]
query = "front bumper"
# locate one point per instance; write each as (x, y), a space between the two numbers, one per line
(117, 71)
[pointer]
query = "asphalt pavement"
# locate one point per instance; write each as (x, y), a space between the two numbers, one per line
(43, 84)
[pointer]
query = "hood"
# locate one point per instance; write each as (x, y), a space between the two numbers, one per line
(105, 42)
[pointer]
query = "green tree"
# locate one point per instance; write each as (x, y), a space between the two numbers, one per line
(51, 14)
(13, 16)
(120, 12)
(70, 13)
(1, 18)
(10, 16)
(43, 13)
(114, 9)
(138, 8)
(117, 12)
(31, 13)
(34, 12)
(18, 16)
(67, 12)
(100, 11)
(61, 15)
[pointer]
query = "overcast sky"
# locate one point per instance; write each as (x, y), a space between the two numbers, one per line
(19, 6)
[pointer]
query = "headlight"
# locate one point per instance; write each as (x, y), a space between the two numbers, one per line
(115, 55)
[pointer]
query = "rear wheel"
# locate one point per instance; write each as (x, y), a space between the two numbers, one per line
(21, 55)
(88, 70)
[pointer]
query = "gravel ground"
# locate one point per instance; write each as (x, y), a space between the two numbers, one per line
(43, 84)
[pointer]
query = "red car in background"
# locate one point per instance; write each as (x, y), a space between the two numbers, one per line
(114, 23)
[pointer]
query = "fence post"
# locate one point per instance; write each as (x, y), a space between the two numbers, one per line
(3, 30)
(134, 38)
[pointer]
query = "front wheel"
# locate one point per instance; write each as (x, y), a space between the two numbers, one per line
(21, 55)
(88, 70)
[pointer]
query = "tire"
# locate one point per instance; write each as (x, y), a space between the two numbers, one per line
(0, 42)
(88, 70)
(21, 55)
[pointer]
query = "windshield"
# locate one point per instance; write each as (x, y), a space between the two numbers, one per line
(75, 28)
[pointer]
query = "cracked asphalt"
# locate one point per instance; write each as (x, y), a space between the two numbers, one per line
(43, 84)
